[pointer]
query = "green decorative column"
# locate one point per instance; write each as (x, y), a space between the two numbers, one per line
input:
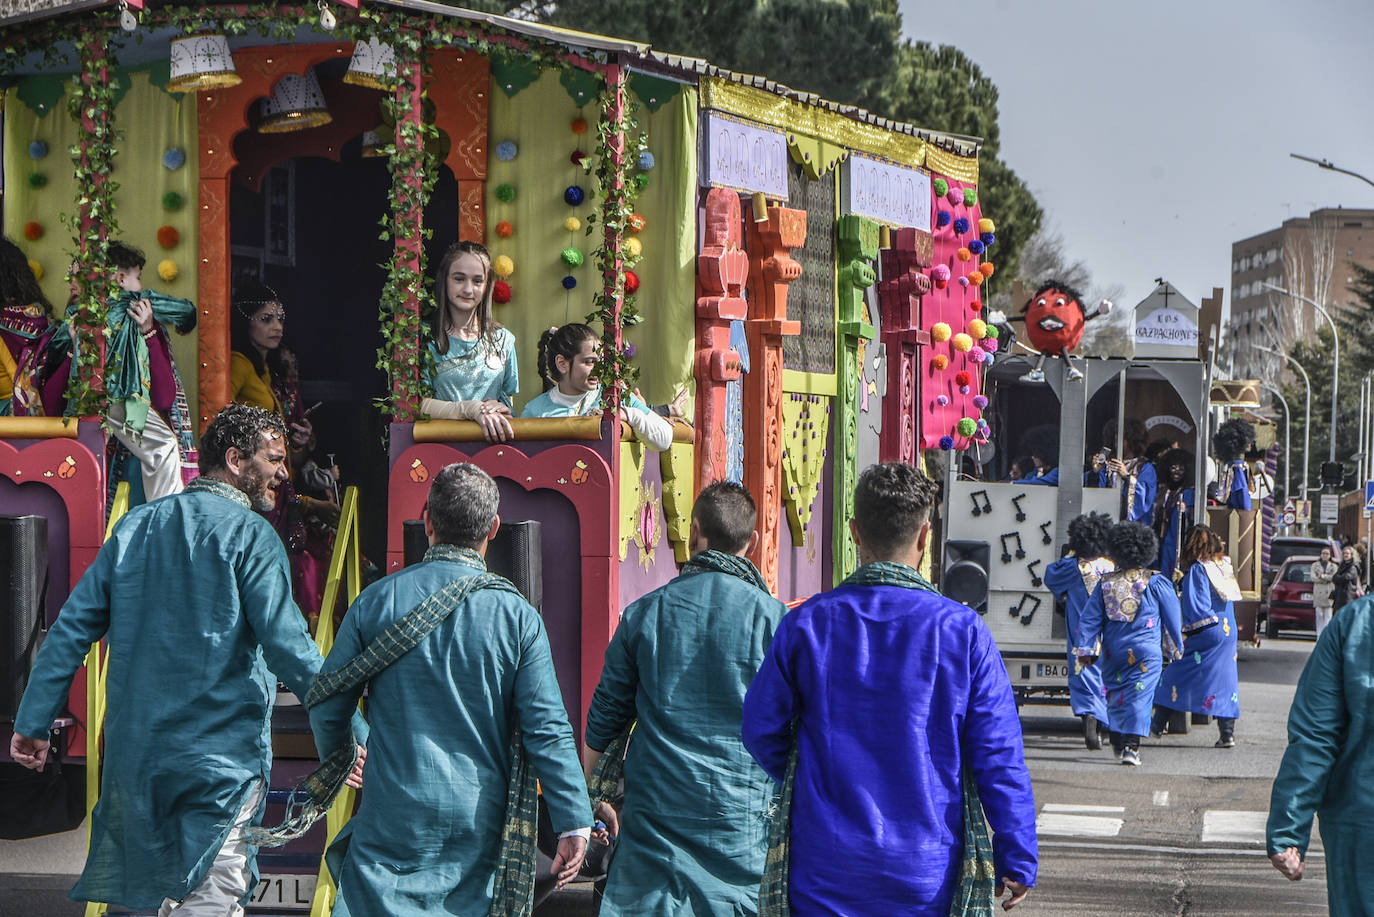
(857, 249)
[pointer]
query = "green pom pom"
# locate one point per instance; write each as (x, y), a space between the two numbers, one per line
(641, 181)
(572, 257)
(172, 200)
(941, 187)
(970, 197)
(967, 427)
(37, 180)
(505, 193)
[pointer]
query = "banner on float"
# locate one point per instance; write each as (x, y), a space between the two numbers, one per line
(743, 156)
(891, 194)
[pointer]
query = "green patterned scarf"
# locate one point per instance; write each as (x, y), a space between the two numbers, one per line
(604, 783)
(310, 800)
(127, 376)
(975, 896)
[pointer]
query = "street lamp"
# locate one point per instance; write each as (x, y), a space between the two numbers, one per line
(1287, 438)
(1328, 165)
(1336, 357)
(1306, 416)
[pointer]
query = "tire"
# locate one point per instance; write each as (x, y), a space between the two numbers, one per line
(1090, 736)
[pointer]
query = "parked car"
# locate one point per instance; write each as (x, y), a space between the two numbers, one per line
(1286, 546)
(1289, 599)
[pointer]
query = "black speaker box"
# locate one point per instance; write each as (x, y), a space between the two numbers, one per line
(517, 553)
(23, 603)
(965, 576)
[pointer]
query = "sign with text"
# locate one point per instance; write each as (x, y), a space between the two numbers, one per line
(890, 194)
(744, 157)
(1166, 325)
(1329, 510)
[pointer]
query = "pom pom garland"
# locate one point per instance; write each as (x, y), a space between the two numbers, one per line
(966, 426)
(173, 159)
(172, 201)
(37, 180)
(964, 254)
(36, 269)
(941, 187)
(641, 182)
(572, 257)
(38, 149)
(942, 400)
(978, 328)
(629, 350)
(955, 197)
(569, 282)
(986, 225)
(505, 192)
(962, 343)
(961, 225)
(573, 195)
(963, 389)
(977, 355)
(576, 157)
(970, 196)
(502, 266)
(500, 292)
(940, 332)
(940, 273)
(975, 306)
(987, 239)
(986, 268)
(962, 377)
(946, 443)
(980, 401)
(33, 231)
(963, 283)
(989, 344)
(645, 161)
(504, 229)
(572, 224)
(976, 246)
(168, 237)
(636, 222)
(167, 270)
(976, 278)
(942, 219)
(579, 125)
(633, 247)
(506, 150)
(939, 361)
(631, 281)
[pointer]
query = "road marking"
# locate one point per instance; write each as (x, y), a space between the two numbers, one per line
(1157, 848)
(1079, 821)
(1161, 797)
(1223, 827)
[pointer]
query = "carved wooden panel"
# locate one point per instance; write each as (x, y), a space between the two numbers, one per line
(722, 274)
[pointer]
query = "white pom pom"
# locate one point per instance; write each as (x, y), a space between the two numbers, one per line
(997, 317)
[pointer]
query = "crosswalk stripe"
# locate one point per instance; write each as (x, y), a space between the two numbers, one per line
(1161, 797)
(1077, 825)
(1220, 826)
(1064, 808)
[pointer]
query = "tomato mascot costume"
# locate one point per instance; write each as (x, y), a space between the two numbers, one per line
(1054, 319)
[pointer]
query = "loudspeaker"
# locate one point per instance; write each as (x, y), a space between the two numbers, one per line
(965, 576)
(23, 603)
(517, 553)
(414, 541)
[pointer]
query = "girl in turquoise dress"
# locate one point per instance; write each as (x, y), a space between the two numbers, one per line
(475, 373)
(567, 357)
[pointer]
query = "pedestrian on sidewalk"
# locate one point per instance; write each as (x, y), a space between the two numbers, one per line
(1072, 580)
(696, 804)
(1134, 613)
(1205, 680)
(885, 711)
(1325, 770)
(1323, 572)
(1347, 583)
(192, 595)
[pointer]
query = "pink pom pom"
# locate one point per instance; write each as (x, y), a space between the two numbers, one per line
(955, 196)
(940, 273)
(989, 344)
(977, 355)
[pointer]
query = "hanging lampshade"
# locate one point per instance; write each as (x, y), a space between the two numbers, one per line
(297, 102)
(202, 62)
(372, 143)
(373, 65)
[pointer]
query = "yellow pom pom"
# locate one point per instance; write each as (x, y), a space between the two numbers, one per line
(986, 225)
(503, 266)
(167, 270)
(963, 343)
(978, 328)
(572, 224)
(940, 332)
(633, 247)
(36, 268)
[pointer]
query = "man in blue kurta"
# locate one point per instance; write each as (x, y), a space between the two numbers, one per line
(1325, 770)
(1072, 579)
(426, 838)
(192, 594)
(695, 816)
(891, 693)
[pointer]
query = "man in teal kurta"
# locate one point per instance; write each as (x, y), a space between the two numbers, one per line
(695, 823)
(426, 837)
(192, 594)
(1330, 757)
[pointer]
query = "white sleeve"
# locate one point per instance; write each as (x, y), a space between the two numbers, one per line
(651, 429)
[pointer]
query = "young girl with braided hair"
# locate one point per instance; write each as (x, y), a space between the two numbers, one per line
(567, 357)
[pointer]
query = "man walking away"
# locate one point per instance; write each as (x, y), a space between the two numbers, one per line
(193, 597)
(900, 711)
(695, 816)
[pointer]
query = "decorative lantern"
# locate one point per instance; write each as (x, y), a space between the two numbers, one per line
(373, 65)
(297, 103)
(202, 62)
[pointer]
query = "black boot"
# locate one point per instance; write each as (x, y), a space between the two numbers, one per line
(1090, 736)
(1118, 742)
(1226, 727)
(1159, 722)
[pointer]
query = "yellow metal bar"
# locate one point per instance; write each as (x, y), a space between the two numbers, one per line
(38, 428)
(97, 671)
(345, 570)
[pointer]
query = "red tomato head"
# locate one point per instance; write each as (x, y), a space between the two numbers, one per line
(1054, 319)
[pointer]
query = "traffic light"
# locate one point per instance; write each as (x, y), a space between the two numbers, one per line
(1333, 473)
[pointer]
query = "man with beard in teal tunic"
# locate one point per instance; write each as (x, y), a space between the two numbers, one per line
(428, 835)
(695, 821)
(192, 594)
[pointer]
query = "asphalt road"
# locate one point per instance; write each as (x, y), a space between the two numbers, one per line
(1181, 835)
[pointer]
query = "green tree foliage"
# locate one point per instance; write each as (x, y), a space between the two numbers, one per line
(1357, 359)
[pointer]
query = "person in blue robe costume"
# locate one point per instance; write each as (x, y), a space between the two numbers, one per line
(1133, 473)
(426, 837)
(192, 594)
(1072, 579)
(1229, 445)
(893, 691)
(1326, 767)
(472, 372)
(1134, 614)
(1174, 511)
(1205, 680)
(695, 820)
(1041, 444)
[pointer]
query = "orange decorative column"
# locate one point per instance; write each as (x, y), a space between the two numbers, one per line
(771, 269)
(900, 293)
(722, 272)
(458, 85)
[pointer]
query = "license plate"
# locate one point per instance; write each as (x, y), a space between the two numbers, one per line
(284, 892)
(1051, 670)
(1306, 596)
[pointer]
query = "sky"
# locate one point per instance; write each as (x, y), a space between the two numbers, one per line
(1155, 134)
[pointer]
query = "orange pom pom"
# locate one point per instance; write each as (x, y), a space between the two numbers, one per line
(939, 361)
(579, 125)
(168, 237)
(504, 229)
(963, 254)
(986, 268)
(636, 222)
(976, 278)
(33, 231)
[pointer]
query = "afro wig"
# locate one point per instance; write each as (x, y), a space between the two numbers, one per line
(1042, 442)
(1171, 458)
(1073, 295)
(1088, 535)
(1232, 439)
(1132, 545)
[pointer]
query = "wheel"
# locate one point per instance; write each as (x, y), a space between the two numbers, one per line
(1090, 736)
